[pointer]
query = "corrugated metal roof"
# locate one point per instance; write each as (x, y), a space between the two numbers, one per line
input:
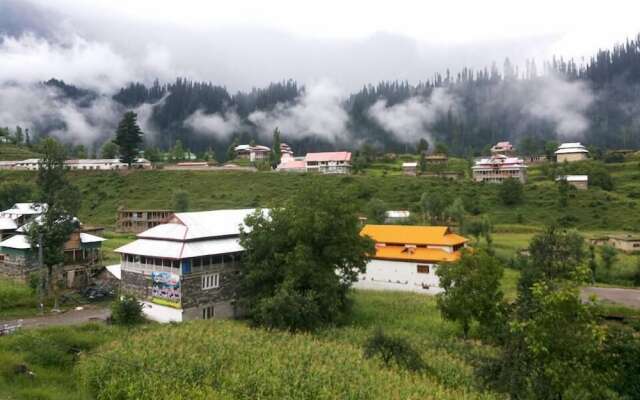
(165, 231)
(7, 224)
(329, 156)
(26, 209)
(409, 234)
(88, 238)
(179, 250)
(217, 223)
(16, 242)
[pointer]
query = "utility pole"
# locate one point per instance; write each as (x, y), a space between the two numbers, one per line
(41, 286)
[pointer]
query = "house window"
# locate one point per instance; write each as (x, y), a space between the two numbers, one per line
(208, 312)
(636, 245)
(423, 269)
(210, 281)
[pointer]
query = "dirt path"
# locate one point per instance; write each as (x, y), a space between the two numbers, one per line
(625, 297)
(71, 317)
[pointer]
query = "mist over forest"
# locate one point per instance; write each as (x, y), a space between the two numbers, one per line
(89, 86)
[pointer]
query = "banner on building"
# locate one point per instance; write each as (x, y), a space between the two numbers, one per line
(166, 289)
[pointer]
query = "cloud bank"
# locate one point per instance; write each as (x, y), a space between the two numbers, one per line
(219, 126)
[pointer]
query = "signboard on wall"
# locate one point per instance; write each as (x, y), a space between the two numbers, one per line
(165, 289)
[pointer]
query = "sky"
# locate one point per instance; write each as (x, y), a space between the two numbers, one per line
(249, 43)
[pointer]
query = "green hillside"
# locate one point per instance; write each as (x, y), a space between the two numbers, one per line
(11, 152)
(593, 209)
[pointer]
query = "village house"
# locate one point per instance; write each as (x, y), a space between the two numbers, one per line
(535, 159)
(571, 152)
(187, 268)
(337, 162)
(437, 158)
(503, 148)
(624, 242)
(82, 256)
(110, 164)
(580, 182)
(410, 168)
(252, 153)
(498, 168)
(407, 257)
(136, 220)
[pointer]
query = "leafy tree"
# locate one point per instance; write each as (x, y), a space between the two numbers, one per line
(129, 138)
(563, 193)
(550, 148)
(423, 146)
(600, 177)
(14, 192)
(178, 152)
(609, 256)
(471, 290)
(456, 213)
(63, 201)
(434, 204)
(377, 210)
(593, 265)
(181, 201)
(231, 151)
(276, 154)
(152, 154)
(441, 148)
(558, 334)
(422, 163)
(109, 150)
(19, 135)
(126, 310)
(301, 260)
(619, 361)
(80, 151)
(511, 192)
(393, 350)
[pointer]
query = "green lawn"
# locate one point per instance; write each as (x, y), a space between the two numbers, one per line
(10, 152)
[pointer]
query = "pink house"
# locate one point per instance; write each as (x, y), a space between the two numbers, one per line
(337, 162)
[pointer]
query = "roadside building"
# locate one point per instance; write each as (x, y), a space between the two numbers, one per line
(498, 168)
(407, 257)
(396, 216)
(337, 162)
(571, 152)
(101, 164)
(252, 153)
(137, 220)
(627, 242)
(410, 168)
(187, 268)
(580, 182)
(82, 256)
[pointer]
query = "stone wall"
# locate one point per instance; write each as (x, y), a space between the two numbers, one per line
(194, 296)
(17, 267)
(135, 284)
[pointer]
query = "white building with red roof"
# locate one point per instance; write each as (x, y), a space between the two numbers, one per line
(336, 162)
(498, 168)
(504, 148)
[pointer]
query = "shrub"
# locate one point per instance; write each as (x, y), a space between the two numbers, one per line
(181, 201)
(127, 310)
(393, 350)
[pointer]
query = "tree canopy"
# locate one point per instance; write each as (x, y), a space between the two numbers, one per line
(301, 260)
(129, 138)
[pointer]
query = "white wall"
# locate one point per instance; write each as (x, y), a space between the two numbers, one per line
(158, 313)
(397, 275)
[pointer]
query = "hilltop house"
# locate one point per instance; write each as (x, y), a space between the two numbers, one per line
(624, 242)
(571, 152)
(503, 148)
(410, 168)
(108, 164)
(580, 182)
(407, 257)
(337, 162)
(186, 268)
(396, 216)
(498, 168)
(252, 153)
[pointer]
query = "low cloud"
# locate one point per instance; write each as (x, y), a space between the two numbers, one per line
(42, 109)
(413, 119)
(319, 112)
(219, 126)
(564, 103)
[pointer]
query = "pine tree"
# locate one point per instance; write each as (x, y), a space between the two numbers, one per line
(276, 155)
(129, 138)
(231, 151)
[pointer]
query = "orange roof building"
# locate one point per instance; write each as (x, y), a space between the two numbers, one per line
(407, 257)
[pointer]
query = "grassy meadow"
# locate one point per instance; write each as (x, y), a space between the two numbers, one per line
(228, 359)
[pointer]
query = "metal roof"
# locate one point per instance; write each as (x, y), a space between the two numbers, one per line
(410, 234)
(88, 238)
(7, 224)
(179, 250)
(26, 209)
(16, 242)
(574, 178)
(329, 156)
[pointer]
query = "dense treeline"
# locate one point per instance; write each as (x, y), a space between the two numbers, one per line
(491, 104)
